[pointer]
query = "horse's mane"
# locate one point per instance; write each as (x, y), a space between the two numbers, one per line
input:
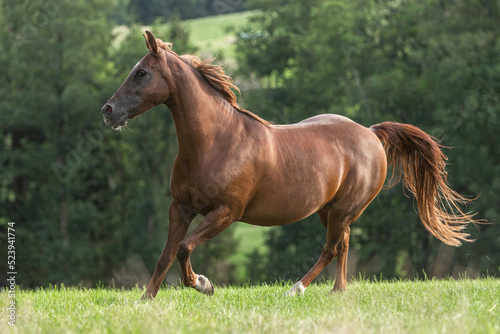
(215, 75)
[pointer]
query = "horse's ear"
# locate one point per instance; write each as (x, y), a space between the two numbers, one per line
(151, 42)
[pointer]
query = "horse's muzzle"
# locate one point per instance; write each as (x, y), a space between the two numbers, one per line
(112, 117)
(107, 110)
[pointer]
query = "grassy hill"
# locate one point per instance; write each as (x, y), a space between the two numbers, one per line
(211, 36)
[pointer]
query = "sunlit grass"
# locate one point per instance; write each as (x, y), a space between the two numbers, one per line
(210, 34)
(447, 306)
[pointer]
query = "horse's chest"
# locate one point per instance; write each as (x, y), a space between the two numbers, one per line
(202, 188)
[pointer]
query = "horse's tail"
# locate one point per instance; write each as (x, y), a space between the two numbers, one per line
(418, 156)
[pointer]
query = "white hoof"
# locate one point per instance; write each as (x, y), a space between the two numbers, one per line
(297, 289)
(204, 285)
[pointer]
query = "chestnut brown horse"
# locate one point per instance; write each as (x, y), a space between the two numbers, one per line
(234, 166)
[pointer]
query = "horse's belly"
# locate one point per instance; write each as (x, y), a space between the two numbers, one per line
(281, 204)
(274, 219)
(278, 214)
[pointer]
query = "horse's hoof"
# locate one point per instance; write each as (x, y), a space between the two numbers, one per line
(145, 297)
(297, 289)
(204, 285)
(337, 289)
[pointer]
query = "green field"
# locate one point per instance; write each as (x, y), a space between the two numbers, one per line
(211, 36)
(448, 306)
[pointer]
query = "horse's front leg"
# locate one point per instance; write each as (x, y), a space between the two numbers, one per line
(213, 223)
(179, 221)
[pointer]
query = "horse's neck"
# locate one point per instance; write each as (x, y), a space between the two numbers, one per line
(199, 112)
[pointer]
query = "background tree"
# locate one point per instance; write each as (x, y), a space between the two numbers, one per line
(146, 11)
(54, 183)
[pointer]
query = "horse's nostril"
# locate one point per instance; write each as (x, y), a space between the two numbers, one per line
(107, 109)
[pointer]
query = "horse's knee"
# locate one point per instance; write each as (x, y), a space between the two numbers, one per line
(347, 233)
(329, 252)
(161, 265)
(183, 251)
(343, 245)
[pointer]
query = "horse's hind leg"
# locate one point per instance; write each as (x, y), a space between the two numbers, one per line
(337, 244)
(341, 275)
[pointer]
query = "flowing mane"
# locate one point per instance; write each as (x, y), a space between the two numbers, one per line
(215, 75)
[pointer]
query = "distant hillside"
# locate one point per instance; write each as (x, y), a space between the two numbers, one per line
(211, 36)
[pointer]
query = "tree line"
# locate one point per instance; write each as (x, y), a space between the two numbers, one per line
(147, 11)
(90, 204)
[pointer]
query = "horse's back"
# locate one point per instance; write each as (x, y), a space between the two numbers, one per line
(323, 119)
(326, 119)
(329, 132)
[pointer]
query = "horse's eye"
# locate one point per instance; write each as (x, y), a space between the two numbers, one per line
(141, 73)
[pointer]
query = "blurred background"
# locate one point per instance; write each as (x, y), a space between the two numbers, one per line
(91, 204)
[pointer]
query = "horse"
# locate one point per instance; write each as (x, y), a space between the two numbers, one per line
(232, 165)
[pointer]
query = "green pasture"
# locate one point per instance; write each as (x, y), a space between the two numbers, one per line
(210, 34)
(445, 306)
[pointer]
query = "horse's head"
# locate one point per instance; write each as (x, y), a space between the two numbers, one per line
(145, 87)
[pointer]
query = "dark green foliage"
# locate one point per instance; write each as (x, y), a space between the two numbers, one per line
(53, 172)
(146, 11)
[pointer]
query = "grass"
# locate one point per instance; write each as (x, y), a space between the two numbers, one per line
(210, 34)
(447, 306)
